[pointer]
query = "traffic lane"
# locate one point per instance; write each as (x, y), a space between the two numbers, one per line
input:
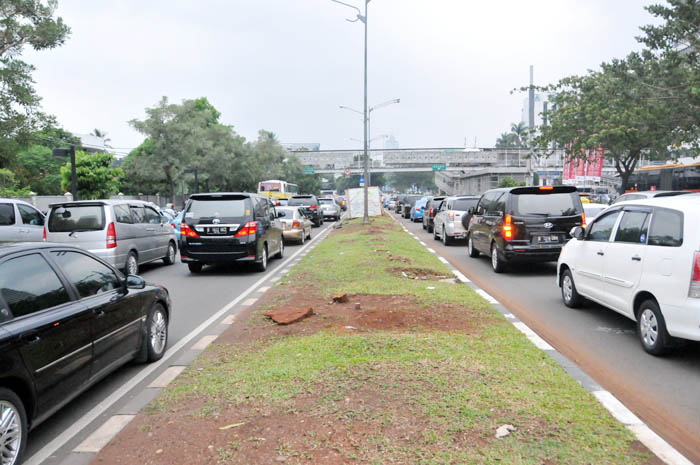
(663, 391)
(195, 297)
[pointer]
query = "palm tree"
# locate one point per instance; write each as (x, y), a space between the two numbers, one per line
(102, 135)
(521, 131)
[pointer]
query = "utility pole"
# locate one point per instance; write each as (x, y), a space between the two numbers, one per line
(73, 174)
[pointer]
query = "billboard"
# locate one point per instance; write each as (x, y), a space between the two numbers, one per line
(587, 169)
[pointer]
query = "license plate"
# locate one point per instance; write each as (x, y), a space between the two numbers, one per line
(548, 239)
(222, 230)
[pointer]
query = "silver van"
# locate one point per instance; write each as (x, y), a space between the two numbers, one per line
(20, 222)
(125, 233)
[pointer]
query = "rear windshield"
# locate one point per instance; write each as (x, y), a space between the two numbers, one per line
(464, 205)
(555, 204)
(326, 201)
(270, 187)
(294, 201)
(77, 218)
(221, 208)
(285, 213)
(7, 214)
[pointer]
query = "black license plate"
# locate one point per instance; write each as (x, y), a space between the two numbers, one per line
(547, 239)
(218, 231)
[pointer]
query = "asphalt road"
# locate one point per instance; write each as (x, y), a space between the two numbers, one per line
(195, 299)
(663, 391)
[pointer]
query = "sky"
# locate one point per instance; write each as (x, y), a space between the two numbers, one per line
(286, 66)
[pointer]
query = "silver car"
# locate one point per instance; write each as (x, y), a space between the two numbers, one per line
(329, 208)
(20, 222)
(295, 225)
(448, 224)
(124, 233)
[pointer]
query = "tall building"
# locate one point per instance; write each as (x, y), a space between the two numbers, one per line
(390, 143)
(542, 106)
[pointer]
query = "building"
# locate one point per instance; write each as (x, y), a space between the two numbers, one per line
(295, 146)
(542, 106)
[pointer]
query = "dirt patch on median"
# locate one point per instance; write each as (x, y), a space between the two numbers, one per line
(418, 273)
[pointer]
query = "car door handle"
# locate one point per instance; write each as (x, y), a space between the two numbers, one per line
(600, 252)
(150, 229)
(33, 339)
(637, 258)
(99, 313)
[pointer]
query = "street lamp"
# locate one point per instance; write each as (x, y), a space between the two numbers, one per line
(365, 115)
(73, 174)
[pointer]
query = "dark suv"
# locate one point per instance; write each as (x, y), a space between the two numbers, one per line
(431, 209)
(308, 204)
(408, 203)
(227, 228)
(529, 224)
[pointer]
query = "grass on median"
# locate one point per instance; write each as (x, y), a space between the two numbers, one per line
(417, 395)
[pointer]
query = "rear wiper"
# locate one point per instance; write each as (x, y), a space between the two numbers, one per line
(80, 230)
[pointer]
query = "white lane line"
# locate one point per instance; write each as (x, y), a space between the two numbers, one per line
(423, 243)
(249, 302)
(264, 289)
(510, 316)
(45, 452)
(431, 250)
(461, 276)
(532, 336)
(487, 296)
(617, 408)
(102, 435)
(443, 260)
(167, 376)
(204, 342)
(228, 320)
(275, 279)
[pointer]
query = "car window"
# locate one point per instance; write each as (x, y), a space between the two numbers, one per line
(554, 204)
(325, 201)
(301, 201)
(139, 213)
(28, 284)
(7, 214)
(601, 229)
(633, 228)
(223, 208)
(496, 205)
(152, 216)
(123, 214)
(285, 213)
(30, 215)
(77, 218)
(666, 228)
(88, 275)
(260, 213)
(485, 202)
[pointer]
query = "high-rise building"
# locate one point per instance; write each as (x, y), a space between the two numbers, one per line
(390, 143)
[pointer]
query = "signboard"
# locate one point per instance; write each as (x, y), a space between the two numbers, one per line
(309, 170)
(583, 170)
(362, 181)
(356, 202)
(439, 167)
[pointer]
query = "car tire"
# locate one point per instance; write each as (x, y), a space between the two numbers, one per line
(496, 262)
(309, 235)
(435, 236)
(303, 237)
(651, 328)
(569, 295)
(470, 247)
(262, 264)
(280, 254)
(156, 333)
(132, 264)
(424, 227)
(195, 267)
(445, 238)
(169, 259)
(12, 410)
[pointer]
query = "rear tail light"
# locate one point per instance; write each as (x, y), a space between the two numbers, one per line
(695, 282)
(583, 220)
(173, 225)
(249, 229)
(44, 238)
(296, 224)
(313, 207)
(508, 228)
(432, 211)
(186, 231)
(546, 188)
(111, 236)
(417, 209)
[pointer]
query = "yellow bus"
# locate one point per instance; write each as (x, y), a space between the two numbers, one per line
(277, 189)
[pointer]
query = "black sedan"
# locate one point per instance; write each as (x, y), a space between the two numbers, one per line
(67, 319)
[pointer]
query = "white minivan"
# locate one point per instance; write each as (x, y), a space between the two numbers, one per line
(642, 259)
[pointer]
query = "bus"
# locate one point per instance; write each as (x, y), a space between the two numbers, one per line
(277, 189)
(671, 177)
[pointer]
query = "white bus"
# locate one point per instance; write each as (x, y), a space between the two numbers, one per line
(277, 189)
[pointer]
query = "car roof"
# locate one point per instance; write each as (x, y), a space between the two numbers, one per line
(596, 205)
(102, 202)
(223, 194)
(680, 202)
(457, 197)
(13, 247)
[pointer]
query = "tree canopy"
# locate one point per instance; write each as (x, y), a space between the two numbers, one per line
(97, 178)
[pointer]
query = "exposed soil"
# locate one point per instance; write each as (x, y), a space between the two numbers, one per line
(417, 273)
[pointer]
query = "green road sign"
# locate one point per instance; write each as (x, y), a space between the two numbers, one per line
(439, 167)
(309, 170)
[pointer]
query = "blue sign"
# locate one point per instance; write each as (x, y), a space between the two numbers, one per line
(362, 179)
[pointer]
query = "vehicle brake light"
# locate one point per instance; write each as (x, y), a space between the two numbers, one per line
(546, 188)
(417, 209)
(508, 228)
(173, 225)
(186, 231)
(44, 233)
(313, 207)
(583, 220)
(296, 224)
(432, 211)
(111, 236)
(249, 229)
(695, 282)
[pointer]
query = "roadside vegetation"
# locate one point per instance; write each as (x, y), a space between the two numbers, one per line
(412, 368)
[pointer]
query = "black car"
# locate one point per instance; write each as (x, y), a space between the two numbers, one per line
(408, 203)
(67, 319)
(308, 204)
(221, 228)
(431, 209)
(523, 224)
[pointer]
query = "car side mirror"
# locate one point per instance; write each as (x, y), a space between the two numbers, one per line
(280, 214)
(577, 232)
(470, 211)
(135, 282)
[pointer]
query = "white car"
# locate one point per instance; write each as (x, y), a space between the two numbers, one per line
(640, 259)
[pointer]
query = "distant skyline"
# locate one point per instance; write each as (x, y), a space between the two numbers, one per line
(287, 66)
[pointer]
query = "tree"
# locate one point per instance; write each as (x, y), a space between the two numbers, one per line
(102, 135)
(97, 179)
(39, 170)
(23, 22)
(509, 182)
(516, 138)
(422, 181)
(9, 187)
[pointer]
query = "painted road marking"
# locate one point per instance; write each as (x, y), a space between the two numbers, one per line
(532, 336)
(102, 435)
(443, 260)
(204, 342)
(510, 316)
(250, 302)
(264, 289)
(167, 376)
(487, 296)
(45, 452)
(275, 279)
(431, 250)
(461, 276)
(228, 320)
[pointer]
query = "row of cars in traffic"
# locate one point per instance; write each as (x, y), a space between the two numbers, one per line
(72, 307)
(639, 256)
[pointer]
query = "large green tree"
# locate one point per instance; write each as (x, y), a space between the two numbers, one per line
(22, 23)
(97, 178)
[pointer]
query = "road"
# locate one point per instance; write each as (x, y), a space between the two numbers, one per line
(664, 392)
(195, 299)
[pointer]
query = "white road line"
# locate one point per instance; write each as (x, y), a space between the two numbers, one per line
(461, 276)
(275, 279)
(487, 296)
(167, 376)
(510, 316)
(532, 336)
(431, 250)
(616, 408)
(45, 452)
(228, 320)
(423, 243)
(443, 260)
(102, 435)
(264, 289)
(249, 302)
(204, 342)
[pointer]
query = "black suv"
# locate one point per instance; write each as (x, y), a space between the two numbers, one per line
(67, 319)
(523, 224)
(227, 228)
(431, 209)
(308, 205)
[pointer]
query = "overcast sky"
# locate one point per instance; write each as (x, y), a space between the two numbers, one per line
(286, 66)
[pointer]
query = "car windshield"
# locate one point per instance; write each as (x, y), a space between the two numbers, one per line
(295, 201)
(222, 208)
(326, 201)
(464, 205)
(286, 212)
(75, 218)
(555, 204)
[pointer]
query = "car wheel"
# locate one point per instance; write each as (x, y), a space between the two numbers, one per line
(496, 262)
(280, 254)
(435, 235)
(569, 295)
(195, 267)
(303, 237)
(157, 336)
(13, 428)
(262, 264)
(445, 238)
(470, 248)
(169, 259)
(309, 235)
(132, 264)
(423, 224)
(652, 328)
